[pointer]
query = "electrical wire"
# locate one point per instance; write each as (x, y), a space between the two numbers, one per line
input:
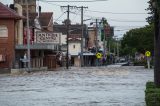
(60, 16)
(112, 12)
(76, 1)
(114, 20)
(44, 1)
(76, 15)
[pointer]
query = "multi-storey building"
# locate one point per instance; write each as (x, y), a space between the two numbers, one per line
(31, 5)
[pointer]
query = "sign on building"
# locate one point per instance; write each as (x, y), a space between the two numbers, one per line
(48, 37)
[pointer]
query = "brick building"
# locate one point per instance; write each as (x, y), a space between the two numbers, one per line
(8, 20)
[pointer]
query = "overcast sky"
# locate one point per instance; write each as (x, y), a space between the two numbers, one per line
(122, 14)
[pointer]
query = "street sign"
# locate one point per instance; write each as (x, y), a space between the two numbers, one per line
(99, 55)
(148, 53)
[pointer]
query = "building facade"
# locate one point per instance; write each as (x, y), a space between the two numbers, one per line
(8, 21)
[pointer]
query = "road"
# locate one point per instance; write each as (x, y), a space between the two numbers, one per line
(88, 86)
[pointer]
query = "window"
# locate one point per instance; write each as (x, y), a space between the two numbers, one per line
(2, 57)
(3, 31)
(74, 46)
(2, 54)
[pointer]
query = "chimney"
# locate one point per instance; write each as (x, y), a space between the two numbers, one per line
(40, 9)
(12, 6)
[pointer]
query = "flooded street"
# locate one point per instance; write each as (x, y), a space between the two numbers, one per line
(88, 86)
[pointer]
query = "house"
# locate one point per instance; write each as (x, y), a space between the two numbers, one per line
(8, 25)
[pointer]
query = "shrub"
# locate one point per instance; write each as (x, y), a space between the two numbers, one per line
(152, 95)
(139, 63)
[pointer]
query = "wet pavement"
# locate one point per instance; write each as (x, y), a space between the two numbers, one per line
(88, 86)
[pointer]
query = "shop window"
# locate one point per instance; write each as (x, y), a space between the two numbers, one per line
(3, 31)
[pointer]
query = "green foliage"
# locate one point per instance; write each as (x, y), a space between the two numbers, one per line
(150, 84)
(138, 40)
(150, 19)
(152, 95)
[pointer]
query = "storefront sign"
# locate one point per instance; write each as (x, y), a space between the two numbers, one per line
(47, 37)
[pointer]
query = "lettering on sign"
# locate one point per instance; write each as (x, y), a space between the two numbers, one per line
(48, 37)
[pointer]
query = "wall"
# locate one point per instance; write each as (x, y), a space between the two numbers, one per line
(8, 43)
(75, 50)
(91, 35)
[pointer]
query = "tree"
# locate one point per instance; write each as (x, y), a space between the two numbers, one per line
(151, 11)
(137, 40)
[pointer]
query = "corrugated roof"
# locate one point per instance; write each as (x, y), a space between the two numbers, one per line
(7, 13)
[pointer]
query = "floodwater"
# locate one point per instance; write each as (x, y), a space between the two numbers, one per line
(87, 86)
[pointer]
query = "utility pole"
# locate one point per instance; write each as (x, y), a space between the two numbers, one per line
(82, 7)
(156, 6)
(117, 49)
(96, 43)
(28, 39)
(104, 39)
(68, 22)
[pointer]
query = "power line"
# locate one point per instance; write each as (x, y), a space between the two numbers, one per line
(125, 20)
(115, 20)
(50, 3)
(76, 1)
(112, 12)
(60, 16)
(76, 14)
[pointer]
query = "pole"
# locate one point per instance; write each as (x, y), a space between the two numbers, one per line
(82, 61)
(68, 22)
(104, 39)
(96, 43)
(67, 63)
(28, 39)
(148, 62)
(82, 37)
(117, 50)
(157, 48)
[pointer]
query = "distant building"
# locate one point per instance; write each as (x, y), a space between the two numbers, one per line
(75, 42)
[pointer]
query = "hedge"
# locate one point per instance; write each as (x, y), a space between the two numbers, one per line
(152, 95)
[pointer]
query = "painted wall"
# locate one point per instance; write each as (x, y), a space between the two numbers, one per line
(74, 48)
(91, 35)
